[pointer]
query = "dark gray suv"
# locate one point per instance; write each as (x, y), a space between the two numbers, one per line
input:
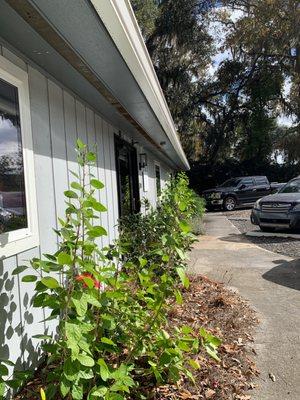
(279, 210)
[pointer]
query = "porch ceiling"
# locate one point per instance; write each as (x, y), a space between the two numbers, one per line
(68, 40)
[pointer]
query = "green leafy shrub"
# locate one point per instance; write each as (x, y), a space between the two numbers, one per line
(165, 229)
(197, 217)
(112, 304)
(11, 381)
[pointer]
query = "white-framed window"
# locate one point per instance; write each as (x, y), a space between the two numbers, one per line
(157, 180)
(18, 209)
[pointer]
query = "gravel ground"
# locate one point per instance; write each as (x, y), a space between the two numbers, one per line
(286, 246)
(243, 213)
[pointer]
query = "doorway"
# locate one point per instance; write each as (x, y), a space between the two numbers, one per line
(127, 177)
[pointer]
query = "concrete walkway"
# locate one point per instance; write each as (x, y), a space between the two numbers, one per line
(271, 282)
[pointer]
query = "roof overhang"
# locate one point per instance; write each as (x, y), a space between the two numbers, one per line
(95, 49)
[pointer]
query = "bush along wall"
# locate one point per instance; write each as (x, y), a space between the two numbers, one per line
(113, 337)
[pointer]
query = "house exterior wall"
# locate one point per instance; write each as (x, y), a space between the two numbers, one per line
(57, 117)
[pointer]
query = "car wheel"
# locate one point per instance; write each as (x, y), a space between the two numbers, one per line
(229, 203)
(267, 228)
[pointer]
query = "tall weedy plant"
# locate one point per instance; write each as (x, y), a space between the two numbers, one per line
(113, 337)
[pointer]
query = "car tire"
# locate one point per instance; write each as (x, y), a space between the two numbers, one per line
(267, 228)
(229, 203)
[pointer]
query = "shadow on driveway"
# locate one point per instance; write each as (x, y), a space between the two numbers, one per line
(286, 273)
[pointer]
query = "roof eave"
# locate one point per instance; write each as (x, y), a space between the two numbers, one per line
(119, 20)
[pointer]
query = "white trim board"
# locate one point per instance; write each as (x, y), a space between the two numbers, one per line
(118, 18)
(22, 239)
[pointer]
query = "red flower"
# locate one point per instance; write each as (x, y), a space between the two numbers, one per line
(81, 277)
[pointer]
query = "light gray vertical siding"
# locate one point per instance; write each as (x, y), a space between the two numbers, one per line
(44, 174)
(58, 118)
(101, 172)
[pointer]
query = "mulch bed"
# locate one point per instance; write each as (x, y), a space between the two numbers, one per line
(224, 314)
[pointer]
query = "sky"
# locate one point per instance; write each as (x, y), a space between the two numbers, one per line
(218, 33)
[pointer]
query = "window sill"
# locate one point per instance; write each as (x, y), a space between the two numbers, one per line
(16, 242)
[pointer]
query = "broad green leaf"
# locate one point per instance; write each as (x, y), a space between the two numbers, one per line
(190, 376)
(194, 364)
(186, 329)
(97, 231)
(96, 184)
(19, 269)
(64, 387)
(142, 261)
(108, 322)
(184, 346)
(185, 226)
(88, 281)
(182, 206)
(86, 373)
(114, 396)
(50, 282)
(91, 156)
(71, 194)
(89, 298)
(80, 145)
(183, 278)
(71, 369)
(80, 303)
(77, 392)
(104, 371)
(51, 391)
(76, 185)
(86, 360)
(13, 383)
(2, 389)
(98, 207)
(29, 278)
(64, 259)
(84, 346)
(3, 370)
(178, 297)
(180, 253)
(97, 392)
(210, 343)
(73, 331)
(212, 352)
(107, 341)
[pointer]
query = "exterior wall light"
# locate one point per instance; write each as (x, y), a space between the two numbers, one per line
(143, 161)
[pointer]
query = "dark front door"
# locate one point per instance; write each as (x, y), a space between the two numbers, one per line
(127, 177)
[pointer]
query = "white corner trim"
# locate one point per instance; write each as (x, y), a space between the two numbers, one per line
(119, 19)
(22, 239)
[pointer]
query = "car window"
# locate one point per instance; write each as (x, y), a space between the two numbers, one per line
(291, 187)
(231, 182)
(247, 181)
(261, 181)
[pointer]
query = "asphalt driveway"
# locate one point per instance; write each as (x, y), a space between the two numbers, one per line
(271, 282)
